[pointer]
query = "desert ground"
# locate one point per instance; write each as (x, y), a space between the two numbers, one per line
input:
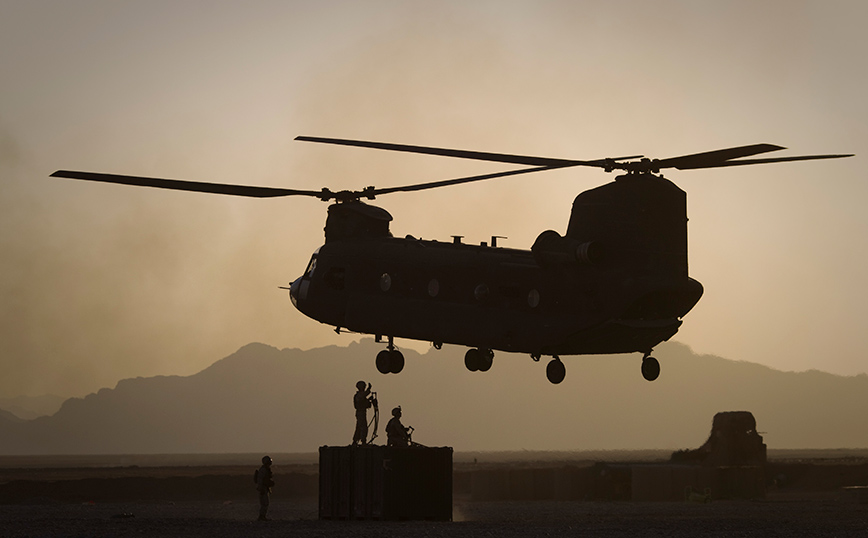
(791, 518)
(100, 497)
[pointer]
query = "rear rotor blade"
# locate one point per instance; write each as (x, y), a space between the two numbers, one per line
(180, 185)
(710, 159)
(770, 160)
(462, 154)
(458, 181)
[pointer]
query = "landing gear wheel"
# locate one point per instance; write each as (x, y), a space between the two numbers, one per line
(384, 362)
(396, 361)
(486, 359)
(472, 360)
(556, 371)
(650, 368)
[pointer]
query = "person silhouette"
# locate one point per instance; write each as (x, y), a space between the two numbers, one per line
(361, 402)
(264, 483)
(396, 433)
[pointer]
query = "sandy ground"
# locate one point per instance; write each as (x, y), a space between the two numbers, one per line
(829, 515)
(812, 504)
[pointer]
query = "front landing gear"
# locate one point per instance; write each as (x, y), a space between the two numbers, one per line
(555, 370)
(390, 360)
(650, 367)
(478, 360)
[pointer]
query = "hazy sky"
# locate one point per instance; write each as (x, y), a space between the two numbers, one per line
(101, 282)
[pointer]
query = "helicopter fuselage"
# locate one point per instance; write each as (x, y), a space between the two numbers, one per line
(482, 296)
(616, 283)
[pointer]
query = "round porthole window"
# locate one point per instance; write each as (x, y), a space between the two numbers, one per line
(385, 282)
(533, 298)
(481, 292)
(433, 287)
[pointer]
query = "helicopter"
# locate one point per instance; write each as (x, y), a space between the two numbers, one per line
(615, 282)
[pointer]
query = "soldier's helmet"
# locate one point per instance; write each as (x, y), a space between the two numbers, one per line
(361, 385)
(266, 460)
(396, 411)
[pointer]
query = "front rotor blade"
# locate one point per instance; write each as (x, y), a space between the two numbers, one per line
(180, 185)
(710, 159)
(459, 153)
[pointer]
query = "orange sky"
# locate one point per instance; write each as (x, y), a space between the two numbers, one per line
(102, 282)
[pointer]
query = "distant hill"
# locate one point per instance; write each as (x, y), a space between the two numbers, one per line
(29, 407)
(261, 399)
(9, 417)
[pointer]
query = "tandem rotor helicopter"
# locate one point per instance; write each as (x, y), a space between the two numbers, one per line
(615, 282)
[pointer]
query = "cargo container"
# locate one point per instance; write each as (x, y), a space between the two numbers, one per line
(389, 483)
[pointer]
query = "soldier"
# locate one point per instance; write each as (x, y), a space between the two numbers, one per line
(264, 483)
(397, 434)
(362, 402)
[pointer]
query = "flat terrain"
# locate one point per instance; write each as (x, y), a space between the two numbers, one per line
(215, 499)
(786, 518)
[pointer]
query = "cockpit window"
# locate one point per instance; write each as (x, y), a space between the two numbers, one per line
(311, 267)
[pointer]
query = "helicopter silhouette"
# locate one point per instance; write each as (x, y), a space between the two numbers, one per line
(616, 282)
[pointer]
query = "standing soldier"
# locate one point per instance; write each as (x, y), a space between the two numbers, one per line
(362, 402)
(264, 483)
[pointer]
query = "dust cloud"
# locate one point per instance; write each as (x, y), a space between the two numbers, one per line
(103, 282)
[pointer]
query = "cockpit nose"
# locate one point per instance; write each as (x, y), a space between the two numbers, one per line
(294, 291)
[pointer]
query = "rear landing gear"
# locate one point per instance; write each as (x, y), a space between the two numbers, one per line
(390, 360)
(479, 360)
(650, 368)
(555, 370)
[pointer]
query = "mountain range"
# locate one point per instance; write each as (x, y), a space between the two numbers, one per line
(29, 407)
(263, 399)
